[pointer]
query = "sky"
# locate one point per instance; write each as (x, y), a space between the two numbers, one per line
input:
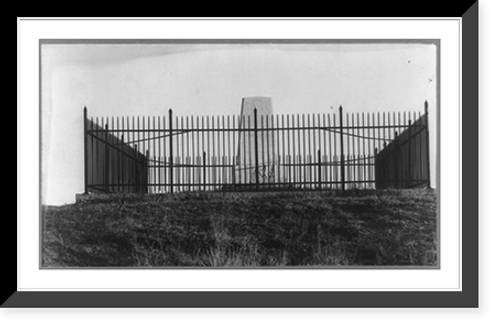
(211, 79)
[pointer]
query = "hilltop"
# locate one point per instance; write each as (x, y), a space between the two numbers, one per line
(354, 228)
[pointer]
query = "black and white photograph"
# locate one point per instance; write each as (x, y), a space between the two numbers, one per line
(240, 154)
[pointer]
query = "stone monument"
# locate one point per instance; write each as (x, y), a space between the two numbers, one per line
(255, 163)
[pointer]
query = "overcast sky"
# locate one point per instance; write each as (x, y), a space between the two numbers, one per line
(149, 79)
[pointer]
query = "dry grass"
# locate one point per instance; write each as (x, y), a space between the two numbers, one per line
(360, 227)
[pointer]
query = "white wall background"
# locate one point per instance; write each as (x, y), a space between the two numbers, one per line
(210, 79)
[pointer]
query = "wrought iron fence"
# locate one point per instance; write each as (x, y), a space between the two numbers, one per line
(256, 152)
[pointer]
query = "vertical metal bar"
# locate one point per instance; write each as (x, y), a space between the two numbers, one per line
(348, 139)
(165, 155)
(263, 150)
(121, 172)
(85, 156)
(98, 158)
(204, 169)
(277, 177)
(404, 168)
(203, 143)
(136, 171)
(408, 174)
(268, 163)
(103, 154)
(137, 161)
(223, 171)
(317, 131)
(375, 142)
(379, 137)
(229, 154)
(426, 107)
(283, 139)
(342, 164)
(293, 148)
(319, 169)
(129, 149)
(399, 155)
(123, 158)
(384, 126)
(243, 149)
(92, 158)
(171, 151)
(208, 146)
(95, 155)
(146, 144)
(298, 156)
(349, 170)
(256, 151)
(99, 155)
(198, 179)
(218, 159)
(177, 161)
(91, 163)
(363, 133)
(313, 153)
(273, 143)
(234, 151)
(113, 161)
(193, 155)
(128, 170)
(147, 169)
(354, 151)
(358, 163)
(333, 166)
(397, 162)
(182, 159)
(198, 170)
(309, 150)
(289, 178)
(143, 142)
(250, 149)
(106, 157)
(213, 158)
(211, 151)
(420, 155)
(324, 142)
(414, 151)
(153, 188)
(395, 124)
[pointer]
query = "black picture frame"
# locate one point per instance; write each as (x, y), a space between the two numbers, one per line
(468, 296)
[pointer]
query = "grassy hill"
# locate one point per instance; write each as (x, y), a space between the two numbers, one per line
(359, 227)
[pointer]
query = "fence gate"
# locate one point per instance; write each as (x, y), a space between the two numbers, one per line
(256, 152)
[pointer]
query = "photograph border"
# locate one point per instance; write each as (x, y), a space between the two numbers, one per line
(278, 42)
(468, 297)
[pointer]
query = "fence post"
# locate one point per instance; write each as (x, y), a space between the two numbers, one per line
(136, 169)
(319, 169)
(426, 106)
(171, 151)
(204, 171)
(342, 164)
(409, 176)
(256, 150)
(396, 162)
(85, 150)
(106, 159)
(145, 189)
